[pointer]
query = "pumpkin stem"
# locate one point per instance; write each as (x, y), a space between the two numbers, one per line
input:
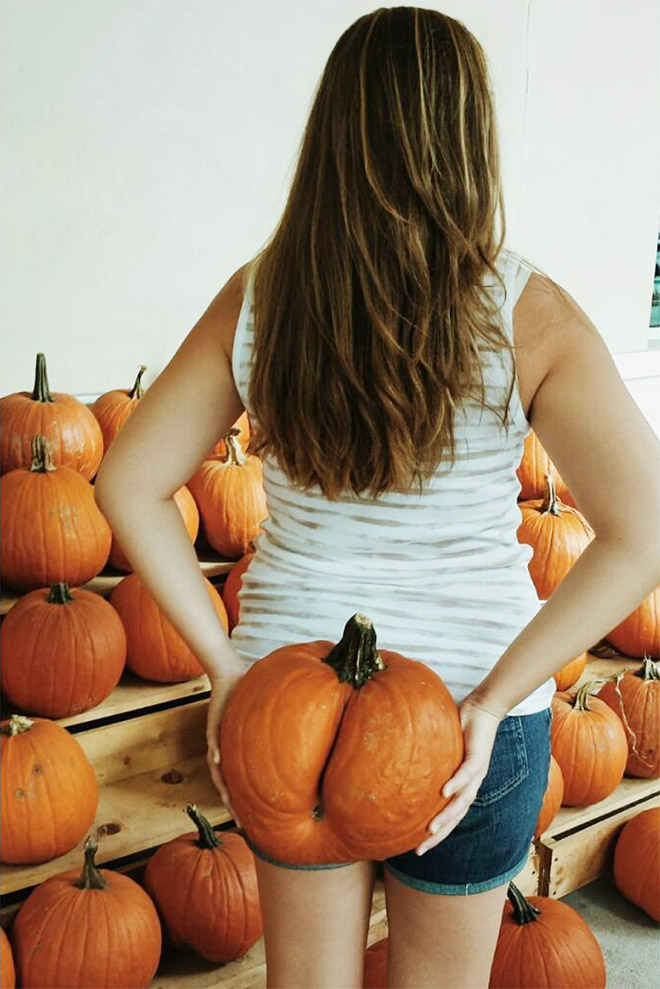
(90, 877)
(60, 593)
(16, 724)
(207, 836)
(551, 502)
(523, 911)
(42, 459)
(235, 454)
(137, 390)
(581, 700)
(649, 670)
(41, 391)
(355, 658)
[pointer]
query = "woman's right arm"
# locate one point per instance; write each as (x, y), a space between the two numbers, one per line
(609, 457)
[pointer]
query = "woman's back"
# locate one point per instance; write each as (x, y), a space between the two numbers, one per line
(441, 574)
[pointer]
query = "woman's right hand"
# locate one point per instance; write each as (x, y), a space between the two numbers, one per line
(220, 691)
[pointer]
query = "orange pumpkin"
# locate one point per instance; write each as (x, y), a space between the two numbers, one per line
(589, 743)
(231, 499)
(639, 633)
(57, 503)
(49, 790)
(558, 535)
(552, 798)
(231, 588)
(535, 464)
(375, 964)
(7, 970)
(637, 861)
(113, 408)
(216, 911)
(189, 513)
(242, 424)
(321, 758)
(63, 651)
(571, 673)
(635, 698)
(544, 943)
(155, 650)
(91, 928)
(73, 433)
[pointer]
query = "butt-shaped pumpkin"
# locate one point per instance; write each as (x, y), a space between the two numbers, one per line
(337, 753)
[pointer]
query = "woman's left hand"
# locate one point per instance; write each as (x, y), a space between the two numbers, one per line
(479, 729)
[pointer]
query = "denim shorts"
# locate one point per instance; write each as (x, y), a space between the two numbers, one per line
(491, 844)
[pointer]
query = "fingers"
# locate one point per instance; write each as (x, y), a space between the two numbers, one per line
(213, 762)
(467, 771)
(446, 821)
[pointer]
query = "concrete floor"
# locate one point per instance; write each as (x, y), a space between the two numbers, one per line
(630, 941)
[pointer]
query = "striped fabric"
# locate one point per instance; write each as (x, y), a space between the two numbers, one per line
(441, 574)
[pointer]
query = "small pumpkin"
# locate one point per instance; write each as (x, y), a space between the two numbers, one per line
(571, 673)
(636, 864)
(57, 503)
(155, 650)
(189, 513)
(558, 535)
(590, 745)
(366, 777)
(231, 588)
(49, 790)
(113, 408)
(552, 798)
(375, 964)
(7, 969)
(63, 651)
(79, 929)
(535, 464)
(216, 910)
(231, 499)
(634, 696)
(73, 433)
(639, 633)
(544, 943)
(242, 424)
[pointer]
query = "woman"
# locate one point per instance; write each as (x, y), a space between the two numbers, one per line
(357, 341)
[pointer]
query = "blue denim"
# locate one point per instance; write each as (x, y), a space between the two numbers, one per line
(490, 845)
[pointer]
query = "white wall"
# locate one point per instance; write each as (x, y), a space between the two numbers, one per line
(147, 150)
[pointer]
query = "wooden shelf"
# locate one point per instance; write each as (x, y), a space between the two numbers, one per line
(132, 694)
(211, 564)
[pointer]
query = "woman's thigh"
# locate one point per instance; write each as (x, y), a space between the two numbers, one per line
(444, 907)
(316, 923)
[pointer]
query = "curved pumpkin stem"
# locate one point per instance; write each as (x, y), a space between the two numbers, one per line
(235, 454)
(60, 593)
(523, 911)
(17, 723)
(137, 390)
(551, 502)
(90, 877)
(207, 836)
(649, 670)
(42, 460)
(355, 658)
(581, 698)
(41, 391)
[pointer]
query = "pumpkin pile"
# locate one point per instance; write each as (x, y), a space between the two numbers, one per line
(542, 943)
(352, 776)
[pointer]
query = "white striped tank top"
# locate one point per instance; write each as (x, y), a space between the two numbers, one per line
(441, 574)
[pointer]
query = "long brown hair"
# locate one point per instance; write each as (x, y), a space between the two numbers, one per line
(370, 312)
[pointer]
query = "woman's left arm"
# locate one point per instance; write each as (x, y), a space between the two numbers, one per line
(191, 405)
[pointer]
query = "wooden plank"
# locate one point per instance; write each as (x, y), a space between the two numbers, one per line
(629, 791)
(599, 669)
(210, 562)
(528, 881)
(135, 814)
(138, 745)
(582, 856)
(132, 693)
